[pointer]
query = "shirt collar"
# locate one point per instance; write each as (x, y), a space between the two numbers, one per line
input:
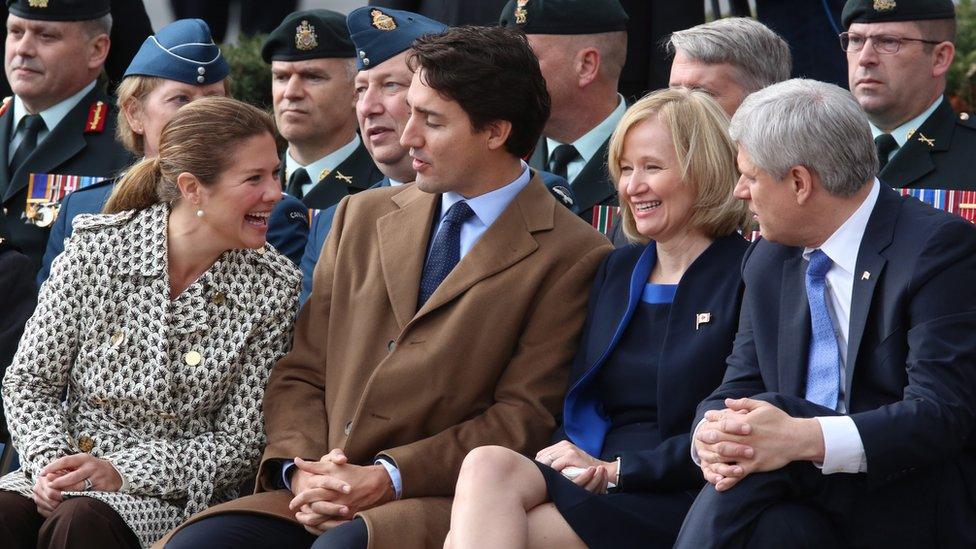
(590, 142)
(394, 182)
(329, 162)
(55, 113)
(903, 133)
(842, 246)
(487, 207)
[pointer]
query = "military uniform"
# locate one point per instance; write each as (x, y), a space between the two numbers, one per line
(356, 173)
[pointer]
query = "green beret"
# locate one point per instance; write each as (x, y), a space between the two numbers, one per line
(59, 10)
(564, 16)
(883, 11)
(309, 34)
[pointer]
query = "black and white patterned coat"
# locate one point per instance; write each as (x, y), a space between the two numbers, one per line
(183, 435)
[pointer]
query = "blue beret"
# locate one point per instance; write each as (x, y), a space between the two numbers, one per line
(183, 51)
(380, 34)
(309, 34)
(59, 10)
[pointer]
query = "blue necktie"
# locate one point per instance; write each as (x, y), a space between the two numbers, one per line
(445, 252)
(823, 368)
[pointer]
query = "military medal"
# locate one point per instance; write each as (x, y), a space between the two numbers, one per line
(382, 21)
(961, 203)
(305, 37)
(46, 191)
(603, 218)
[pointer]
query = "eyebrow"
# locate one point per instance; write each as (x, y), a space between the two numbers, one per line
(427, 112)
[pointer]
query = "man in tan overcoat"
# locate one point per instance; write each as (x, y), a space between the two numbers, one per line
(443, 316)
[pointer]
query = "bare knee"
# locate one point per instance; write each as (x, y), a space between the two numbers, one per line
(487, 467)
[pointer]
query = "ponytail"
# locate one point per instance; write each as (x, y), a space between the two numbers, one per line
(137, 190)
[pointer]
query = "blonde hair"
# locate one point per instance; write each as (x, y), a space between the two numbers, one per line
(706, 153)
(135, 89)
(200, 140)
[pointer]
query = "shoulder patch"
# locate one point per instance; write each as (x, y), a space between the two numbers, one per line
(88, 222)
(97, 114)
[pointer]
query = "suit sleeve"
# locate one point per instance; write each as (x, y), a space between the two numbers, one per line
(288, 228)
(298, 380)
(666, 467)
(321, 224)
(526, 396)
(934, 419)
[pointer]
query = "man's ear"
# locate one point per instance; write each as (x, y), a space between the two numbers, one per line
(98, 51)
(587, 65)
(801, 180)
(190, 188)
(498, 133)
(944, 54)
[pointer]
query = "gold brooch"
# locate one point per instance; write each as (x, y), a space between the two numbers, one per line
(305, 37)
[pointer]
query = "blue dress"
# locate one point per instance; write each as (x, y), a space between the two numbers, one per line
(627, 383)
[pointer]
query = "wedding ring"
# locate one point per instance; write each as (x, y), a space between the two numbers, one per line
(88, 485)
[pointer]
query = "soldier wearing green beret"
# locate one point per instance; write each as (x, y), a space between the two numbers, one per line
(313, 65)
(898, 55)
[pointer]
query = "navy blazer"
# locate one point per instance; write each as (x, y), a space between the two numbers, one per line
(287, 226)
(911, 356)
(692, 356)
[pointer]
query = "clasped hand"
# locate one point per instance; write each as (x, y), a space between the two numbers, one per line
(68, 474)
(328, 492)
(751, 436)
(563, 454)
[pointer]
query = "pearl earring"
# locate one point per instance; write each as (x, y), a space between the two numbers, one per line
(199, 213)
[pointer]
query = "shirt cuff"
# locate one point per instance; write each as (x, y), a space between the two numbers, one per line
(694, 451)
(843, 449)
(394, 475)
(285, 477)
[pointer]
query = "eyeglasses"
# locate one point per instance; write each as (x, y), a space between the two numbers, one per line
(853, 42)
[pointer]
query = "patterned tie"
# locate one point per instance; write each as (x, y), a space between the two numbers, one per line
(445, 251)
(299, 178)
(33, 125)
(885, 144)
(823, 368)
(560, 158)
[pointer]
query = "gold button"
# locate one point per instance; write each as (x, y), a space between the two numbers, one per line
(117, 339)
(218, 298)
(167, 415)
(192, 358)
(85, 443)
(260, 251)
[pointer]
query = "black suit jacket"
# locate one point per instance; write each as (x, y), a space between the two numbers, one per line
(18, 296)
(938, 155)
(692, 357)
(911, 358)
(355, 173)
(592, 187)
(67, 149)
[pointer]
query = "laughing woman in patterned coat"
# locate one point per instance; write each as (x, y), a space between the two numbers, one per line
(160, 323)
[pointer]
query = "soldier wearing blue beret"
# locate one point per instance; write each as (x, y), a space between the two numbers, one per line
(178, 65)
(59, 121)
(898, 55)
(313, 66)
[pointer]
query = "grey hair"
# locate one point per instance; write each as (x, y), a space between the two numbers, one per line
(808, 123)
(761, 56)
(101, 25)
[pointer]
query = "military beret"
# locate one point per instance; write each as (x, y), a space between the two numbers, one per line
(59, 10)
(309, 34)
(183, 51)
(380, 34)
(564, 16)
(883, 11)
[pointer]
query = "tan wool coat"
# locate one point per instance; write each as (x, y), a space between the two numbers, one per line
(484, 361)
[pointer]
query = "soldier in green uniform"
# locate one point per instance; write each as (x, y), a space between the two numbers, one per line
(898, 55)
(59, 120)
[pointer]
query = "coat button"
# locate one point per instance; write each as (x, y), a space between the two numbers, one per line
(166, 415)
(85, 443)
(348, 428)
(391, 346)
(218, 298)
(192, 358)
(117, 339)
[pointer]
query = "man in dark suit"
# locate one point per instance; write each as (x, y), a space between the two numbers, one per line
(581, 46)
(313, 67)
(897, 62)
(59, 121)
(847, 411)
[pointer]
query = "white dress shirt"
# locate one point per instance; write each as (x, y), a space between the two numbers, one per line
(904, 132)
(328, 162)
(590, 142)
(52, 117)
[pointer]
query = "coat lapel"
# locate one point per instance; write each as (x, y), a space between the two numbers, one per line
(6, 121)
(403, 235)
(505, 243)
(592, 186)
(794, 328)
(914, 160)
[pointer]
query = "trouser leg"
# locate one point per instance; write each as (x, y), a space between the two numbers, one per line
(351, 535)
(241, 531)
(82, 522)
(19, 521)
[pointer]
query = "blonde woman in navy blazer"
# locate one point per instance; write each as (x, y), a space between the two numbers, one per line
(662, 317)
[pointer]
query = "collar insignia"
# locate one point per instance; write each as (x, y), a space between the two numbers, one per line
(344, 178)
(928, 141)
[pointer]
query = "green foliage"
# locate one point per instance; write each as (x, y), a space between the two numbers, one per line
(962, 74)
(250, 76)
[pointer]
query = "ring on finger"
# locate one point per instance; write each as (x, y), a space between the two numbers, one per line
(88, 485)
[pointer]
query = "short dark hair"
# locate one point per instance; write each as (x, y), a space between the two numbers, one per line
(493, 74)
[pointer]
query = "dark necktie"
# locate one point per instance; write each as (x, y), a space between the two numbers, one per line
(885, 144)
(33, 125)
(445, 252)
(560, 158)
(823, 365)
(299, 178)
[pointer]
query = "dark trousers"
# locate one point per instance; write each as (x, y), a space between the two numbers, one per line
(799, 506)
(244, 531)
(77, 523)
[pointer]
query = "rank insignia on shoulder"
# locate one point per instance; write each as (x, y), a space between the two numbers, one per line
(7, 101)
(46, 191)
(96, 118)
